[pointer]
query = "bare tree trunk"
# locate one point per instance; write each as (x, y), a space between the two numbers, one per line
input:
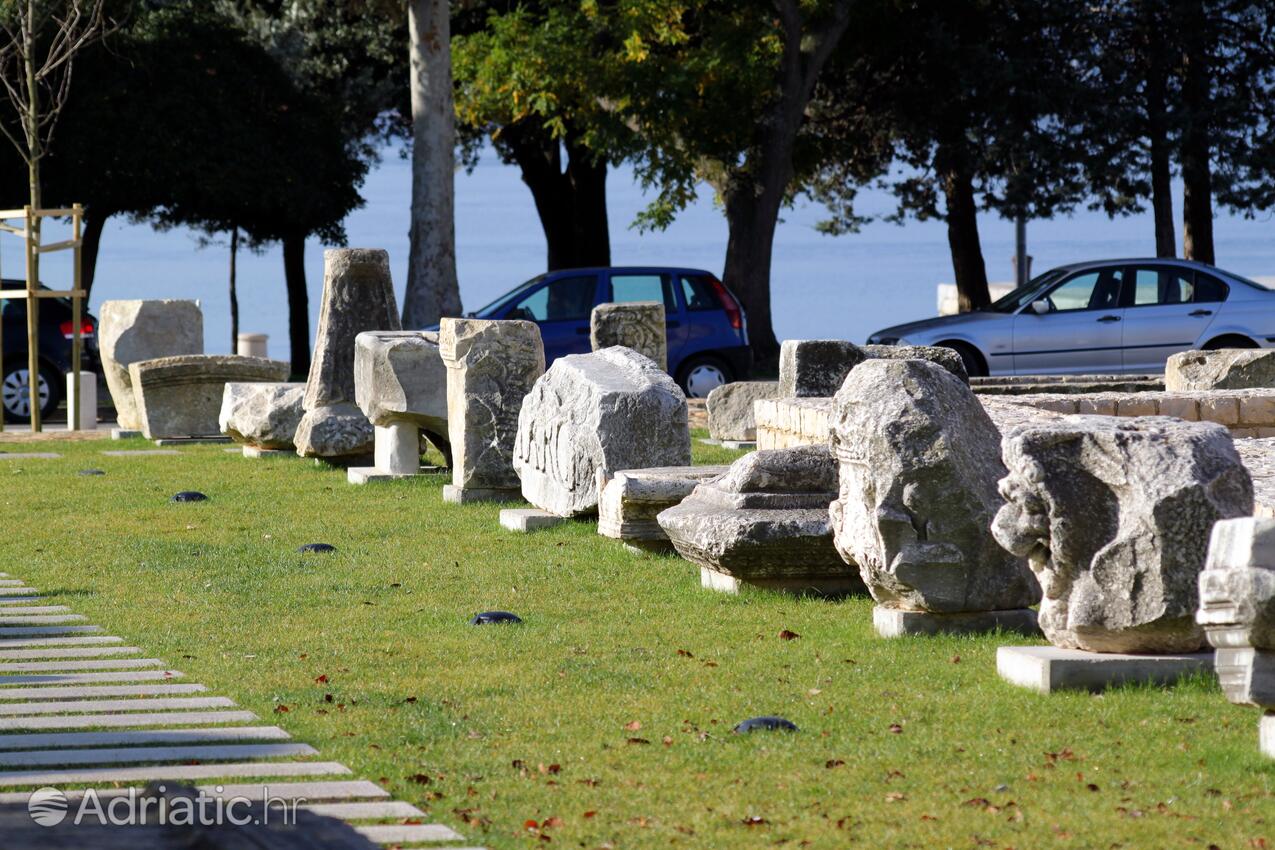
(749, 248)
(963, 241)
(234, 294)
(1197, 176)
(432, 289)
(94, 224)
(298, 304)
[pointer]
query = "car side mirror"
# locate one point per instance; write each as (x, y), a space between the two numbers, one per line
(1040, 307)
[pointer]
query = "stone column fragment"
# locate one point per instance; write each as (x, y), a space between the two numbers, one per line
(638, 325)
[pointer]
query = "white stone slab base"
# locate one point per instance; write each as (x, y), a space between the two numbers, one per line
(796, 585)
(709, 441)
(124, 433)
(528, 519)
(1266, 734)
(1050, 668)
(463, 495)
(257, 451)
(737, 445)
(891, 622)
(211, 440)
(371, 475)
(647, 547)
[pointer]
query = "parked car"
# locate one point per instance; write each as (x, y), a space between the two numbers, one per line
(707, 329)
(54, 350)
(1106, 316)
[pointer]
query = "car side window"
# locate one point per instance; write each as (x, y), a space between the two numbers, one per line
(644, 287)
(1163, 286)
(699, 294)
(1095, 290)
(1209, 290)
(561, 300)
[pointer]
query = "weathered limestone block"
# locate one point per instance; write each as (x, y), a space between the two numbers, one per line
(730, 409)
(1114, 517)
(613, 409)
(638, 325)
(945, 357)
(400, 384)
(358, 296)
(764, 523)
(181, 396)
(919, 461)
(815, 367)
(1224, 369)
(1237, 608)
(491, 366)
(261, 415)
(130, 331)
(629, 502)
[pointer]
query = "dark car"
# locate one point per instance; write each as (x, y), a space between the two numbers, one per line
(54, 351)
(707, 329)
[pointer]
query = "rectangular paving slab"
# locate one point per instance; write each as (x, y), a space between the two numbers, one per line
(100, 691)
(1050, 668)
(11, 592)
(7, 632)
(144, 736)
(93, 664)
(29, 455)
(69, 652)
(88, 678)
(97, 721)
(17, 600)
(182, 773)
(528, 519)
(133, 755)
(140, 452)
(366, 811)
(67, 706)
(408, 833)
(95, 640)
(40, 620)
(357, 789)
(891, 622)
(23, 610)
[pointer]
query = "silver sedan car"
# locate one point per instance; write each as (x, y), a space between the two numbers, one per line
(1107, 316)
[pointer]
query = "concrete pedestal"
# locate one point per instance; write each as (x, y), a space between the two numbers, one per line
(1266, 734)
(257, 451)
(464, 495)
(85, 407)
(252, 345)
(528, 519)
(737, 445)
(890, 622)
(796, 585)
(1049, 668)
(396, 454)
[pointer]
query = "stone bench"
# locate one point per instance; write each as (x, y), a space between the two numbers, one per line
(181, 396)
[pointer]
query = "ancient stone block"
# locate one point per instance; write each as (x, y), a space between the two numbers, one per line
(937, 354)
(1114, 516)
(1224, 369)
(182, 396)
(261, 415)
(764, 523)
(815, 367)
(613, 409)
(358, 296)
(1237, 608)
(919, 462)
(638, 325)
(730, 409)
(131, 331)
(491, 366)
(400, 384)
(629, 502)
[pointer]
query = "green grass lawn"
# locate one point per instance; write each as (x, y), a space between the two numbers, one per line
(606, 717)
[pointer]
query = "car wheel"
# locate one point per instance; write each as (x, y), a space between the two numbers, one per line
(16, 399)
(974, 367)
(1229, 342)
(700, 375)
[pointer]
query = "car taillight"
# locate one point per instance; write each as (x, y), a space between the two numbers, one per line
(729, 304)
(68, 329)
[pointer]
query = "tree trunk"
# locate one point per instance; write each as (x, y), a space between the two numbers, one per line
(432, 289)
(234, 293)
(1158, 138)
(570, 203)
(94, 224)
(298, 304)
(963, 241)
(751, 219)
(1197, 176)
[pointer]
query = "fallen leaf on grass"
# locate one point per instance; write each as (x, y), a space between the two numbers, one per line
(419, 778)
(755, 820)
(552, 823)
(684, 654)
(895, 797)
(589, 814)
(896, 729)
(831, 763)
(638, 741)
(281, 709)
(633, 725)
(321, 679)
(788, 635)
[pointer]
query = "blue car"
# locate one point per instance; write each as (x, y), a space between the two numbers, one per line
(707, 329)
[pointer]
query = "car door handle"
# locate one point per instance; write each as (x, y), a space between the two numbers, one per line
(1200, 313)
(1109, 319)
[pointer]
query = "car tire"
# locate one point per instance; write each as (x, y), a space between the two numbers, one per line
(1233, 341)
(973, 362)
(13, 390)
(701, 374)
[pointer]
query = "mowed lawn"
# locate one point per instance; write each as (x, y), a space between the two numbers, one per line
(605, 719)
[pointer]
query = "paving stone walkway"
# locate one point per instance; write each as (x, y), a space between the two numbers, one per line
(79, 710)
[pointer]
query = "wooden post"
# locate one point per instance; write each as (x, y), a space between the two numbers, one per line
(33, 321)
(74, 420)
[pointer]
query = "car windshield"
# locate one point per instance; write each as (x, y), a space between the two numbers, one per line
(508, 296)
(1025, 294)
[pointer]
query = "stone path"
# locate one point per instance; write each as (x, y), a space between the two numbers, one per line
(63, 725)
